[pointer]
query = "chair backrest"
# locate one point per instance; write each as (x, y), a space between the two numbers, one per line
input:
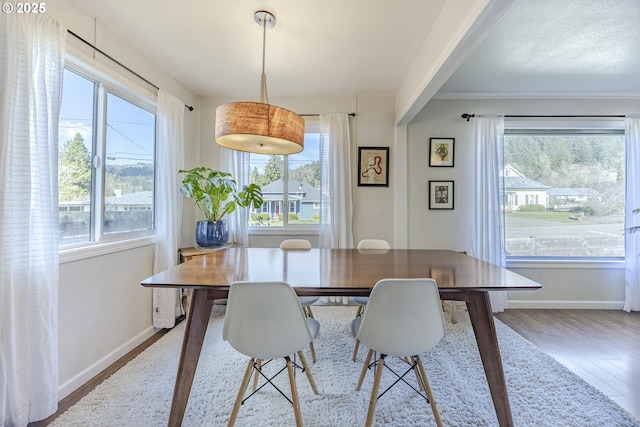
(373, 244)
(295, 244)
(265, 320)
(403, 317)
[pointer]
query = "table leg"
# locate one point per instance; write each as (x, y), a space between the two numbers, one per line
(197, 322)
(481, 316)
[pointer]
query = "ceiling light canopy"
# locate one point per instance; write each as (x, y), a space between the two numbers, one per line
(258, 127)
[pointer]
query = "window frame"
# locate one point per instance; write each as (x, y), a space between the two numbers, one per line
(106, 82)
(575, 126)
(312, 126)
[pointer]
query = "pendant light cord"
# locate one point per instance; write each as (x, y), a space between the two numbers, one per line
(264, 98)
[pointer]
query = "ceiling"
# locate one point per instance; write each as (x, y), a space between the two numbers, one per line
(557, 48)
(328, 47)
(364, 47)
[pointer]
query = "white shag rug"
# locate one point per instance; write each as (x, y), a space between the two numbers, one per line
(542, 392)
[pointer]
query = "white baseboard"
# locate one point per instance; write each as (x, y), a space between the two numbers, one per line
(81, 378)
(554, 304)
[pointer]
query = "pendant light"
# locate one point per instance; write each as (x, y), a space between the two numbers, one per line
(258, 127)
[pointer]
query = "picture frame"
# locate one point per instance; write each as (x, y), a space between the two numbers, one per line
(441, 152)
(373, 166)
(441, 195)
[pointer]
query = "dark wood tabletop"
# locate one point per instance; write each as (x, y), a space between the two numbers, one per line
(338, 271)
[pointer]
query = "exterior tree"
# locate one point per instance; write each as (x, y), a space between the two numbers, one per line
(255, 178)
(309, 173)
(74, 170)
(273, 170)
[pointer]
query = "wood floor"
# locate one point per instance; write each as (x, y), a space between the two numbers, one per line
(601, 346)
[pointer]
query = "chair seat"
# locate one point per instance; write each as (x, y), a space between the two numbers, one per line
(359, 300)
(314, 326)
(355, 326)
(305, 301)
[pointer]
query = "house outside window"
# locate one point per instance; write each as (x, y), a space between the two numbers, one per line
(106, 160)
(291, 181)
(564, 193)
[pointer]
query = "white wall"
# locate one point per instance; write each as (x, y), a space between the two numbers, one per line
(373, 125)
(570, 285)
(104, 312)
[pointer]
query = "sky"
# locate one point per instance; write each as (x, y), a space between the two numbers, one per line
(130, 129)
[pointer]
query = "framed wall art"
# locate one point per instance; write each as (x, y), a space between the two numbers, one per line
(441, 152)
(373, 166)
(440, 194)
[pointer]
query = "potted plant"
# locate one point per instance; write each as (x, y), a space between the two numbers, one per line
(216, 195)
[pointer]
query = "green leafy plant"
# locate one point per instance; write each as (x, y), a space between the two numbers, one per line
(216, 193)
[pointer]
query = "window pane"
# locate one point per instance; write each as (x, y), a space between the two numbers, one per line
(564, 194)
(129, 167)
(267, 171)
(301, 203)
(304, 182)
(75, 138)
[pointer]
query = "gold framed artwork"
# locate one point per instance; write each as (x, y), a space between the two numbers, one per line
(441, 195)
(441, 152)
(373, 166)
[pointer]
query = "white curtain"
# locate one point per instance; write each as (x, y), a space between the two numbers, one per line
(32, 60)
(632, 201)
(237, 164)
(488, 217)
(336, 206)
(169, 159)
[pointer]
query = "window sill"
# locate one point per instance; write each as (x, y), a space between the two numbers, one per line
(289, 231)
(98, 249)
(567, 263)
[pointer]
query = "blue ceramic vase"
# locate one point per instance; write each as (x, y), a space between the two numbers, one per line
(212, 234)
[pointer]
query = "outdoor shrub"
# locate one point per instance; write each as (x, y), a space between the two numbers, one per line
(292, 217)
(532, 208)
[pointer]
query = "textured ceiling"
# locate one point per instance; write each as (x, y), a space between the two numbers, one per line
(555, 48)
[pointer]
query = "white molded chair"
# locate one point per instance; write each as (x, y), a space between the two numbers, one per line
(402, 318)
(264, 320)
(306, 302)
(361, 302)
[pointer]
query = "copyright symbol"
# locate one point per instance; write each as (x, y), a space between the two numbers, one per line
(7, 7)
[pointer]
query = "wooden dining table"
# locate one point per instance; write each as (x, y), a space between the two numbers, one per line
(340, 272)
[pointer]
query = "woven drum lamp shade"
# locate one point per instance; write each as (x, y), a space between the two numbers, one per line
(261, 128)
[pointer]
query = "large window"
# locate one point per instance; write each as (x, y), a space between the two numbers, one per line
(105, 162)
(290, 185)
(564, 193)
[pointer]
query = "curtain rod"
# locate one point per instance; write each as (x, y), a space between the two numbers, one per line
(317, 115)
(118, 62)
(469, 116)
